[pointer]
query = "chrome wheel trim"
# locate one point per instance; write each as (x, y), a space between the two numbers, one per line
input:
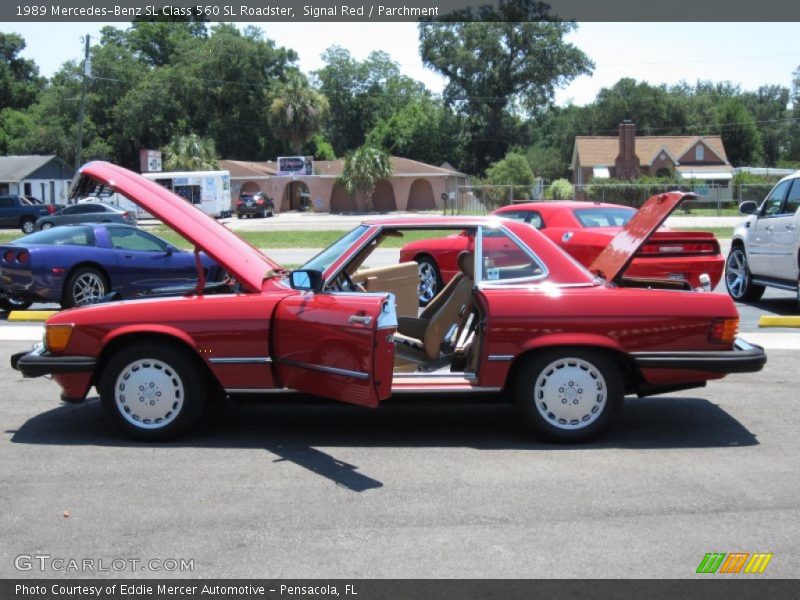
(736, 273)
(570, 393)
(148, 393)
(88, 288)
(28, 227)
(47, 225)
(427, 281)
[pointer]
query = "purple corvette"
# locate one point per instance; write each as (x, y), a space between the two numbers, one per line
(79, 264)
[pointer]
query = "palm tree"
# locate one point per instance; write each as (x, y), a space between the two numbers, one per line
(363, 169)
(190, 153)
(297, 113)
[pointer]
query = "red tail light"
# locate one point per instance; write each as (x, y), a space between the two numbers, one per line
(127, 215)
(9, 256)
(260, 202)
(678, 248)
(23, 257)
(239, 203)
(723, 331)
(51, 209)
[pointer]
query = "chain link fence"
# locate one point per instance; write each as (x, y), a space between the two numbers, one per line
(719, 199)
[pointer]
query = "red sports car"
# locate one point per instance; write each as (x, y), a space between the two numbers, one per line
(583, 229)
(521, 318)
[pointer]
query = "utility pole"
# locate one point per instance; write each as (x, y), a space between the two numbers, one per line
(87, 72)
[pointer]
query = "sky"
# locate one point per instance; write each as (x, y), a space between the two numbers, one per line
(747, 54)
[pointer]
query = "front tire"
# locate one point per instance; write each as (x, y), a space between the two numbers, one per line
(9, 303)
(152, 391)
(46, 225)
(430, 280)
(738, 279)
(569, 395)
(86, 285)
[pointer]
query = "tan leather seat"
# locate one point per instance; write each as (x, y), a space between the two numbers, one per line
(420, 339)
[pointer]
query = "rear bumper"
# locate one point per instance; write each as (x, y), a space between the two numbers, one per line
(744, 358)
(38, 362)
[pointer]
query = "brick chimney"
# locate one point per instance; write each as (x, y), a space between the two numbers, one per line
(626, 165)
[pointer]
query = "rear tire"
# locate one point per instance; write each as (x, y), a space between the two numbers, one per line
(27, 225)
(152, 391)
(569, 395)
(738, 279)
(46, 225)
(9, 303)
(85, 285)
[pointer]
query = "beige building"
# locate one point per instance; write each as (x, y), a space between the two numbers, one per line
(413, 186)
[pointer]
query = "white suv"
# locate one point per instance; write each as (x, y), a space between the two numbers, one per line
(765, 250)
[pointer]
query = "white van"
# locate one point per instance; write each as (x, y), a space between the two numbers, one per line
(210, 191)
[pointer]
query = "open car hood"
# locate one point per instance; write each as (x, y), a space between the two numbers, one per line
(241, 260)
(616, 257)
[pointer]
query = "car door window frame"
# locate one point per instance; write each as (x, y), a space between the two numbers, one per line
(478, 267)
(762, 213)
(160, 245)
(794, 188)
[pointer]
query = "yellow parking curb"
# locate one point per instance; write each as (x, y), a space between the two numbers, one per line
(770, 321)
(30, 315)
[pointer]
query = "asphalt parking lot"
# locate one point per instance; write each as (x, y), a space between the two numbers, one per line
(297, 489)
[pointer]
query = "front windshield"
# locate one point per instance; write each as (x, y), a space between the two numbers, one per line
(604, 216)
(326, 258)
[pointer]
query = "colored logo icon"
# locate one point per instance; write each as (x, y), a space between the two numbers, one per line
(735, 562)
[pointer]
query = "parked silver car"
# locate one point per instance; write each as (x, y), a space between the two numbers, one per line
(765, 250)
(87, 212)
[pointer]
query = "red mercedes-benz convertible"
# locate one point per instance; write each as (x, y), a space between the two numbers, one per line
(521, 318)
(583, 229)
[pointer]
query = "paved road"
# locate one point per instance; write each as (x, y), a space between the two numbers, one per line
(409, 490)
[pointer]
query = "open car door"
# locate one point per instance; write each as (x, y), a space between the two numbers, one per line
(338, 345)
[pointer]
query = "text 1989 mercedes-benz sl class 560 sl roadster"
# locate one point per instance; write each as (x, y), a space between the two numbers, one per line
(521, 318)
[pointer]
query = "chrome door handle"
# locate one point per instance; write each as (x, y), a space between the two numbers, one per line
(360, 319)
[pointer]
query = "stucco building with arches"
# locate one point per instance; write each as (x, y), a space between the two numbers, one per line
(413, 186)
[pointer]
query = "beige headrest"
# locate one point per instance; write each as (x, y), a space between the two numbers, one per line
(466, 263)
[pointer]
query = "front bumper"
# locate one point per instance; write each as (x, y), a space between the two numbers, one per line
(38, 362)
(744, 358)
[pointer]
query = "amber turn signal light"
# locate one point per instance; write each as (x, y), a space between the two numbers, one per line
(723, 331)
(56, 337)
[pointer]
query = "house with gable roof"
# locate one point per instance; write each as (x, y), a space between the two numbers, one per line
(700, 159)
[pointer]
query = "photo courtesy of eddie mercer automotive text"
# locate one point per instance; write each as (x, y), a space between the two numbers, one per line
(518, 317)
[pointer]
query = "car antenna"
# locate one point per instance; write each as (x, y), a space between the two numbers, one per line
(201, 275)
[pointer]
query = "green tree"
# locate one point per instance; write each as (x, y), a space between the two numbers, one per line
(363, 169)
(792, 152)
(768, 107)
(422, 129)
(496, 69)
(216, 84)
(20, 82)
(190, 153)
(513, 169)
(360, 94)
(319, 148)
(297, 112)
(739, 133)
